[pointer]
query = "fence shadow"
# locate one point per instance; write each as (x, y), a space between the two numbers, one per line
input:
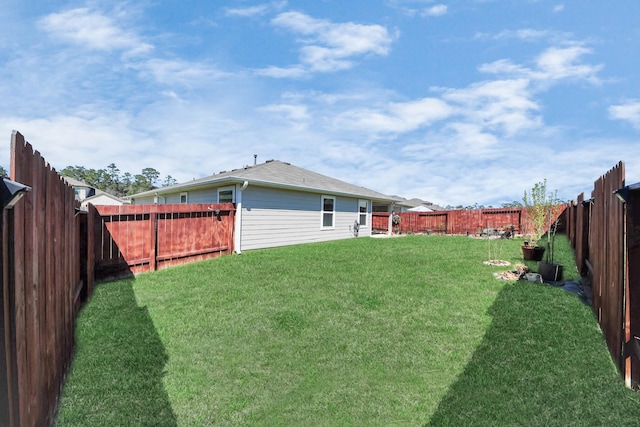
(524, 370)
(118, 366)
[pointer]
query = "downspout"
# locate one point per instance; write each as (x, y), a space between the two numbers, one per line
(390, 223)
(237, 238)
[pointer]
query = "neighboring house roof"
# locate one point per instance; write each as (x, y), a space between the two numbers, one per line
(419, 205)
(95, 194)
(275, 173)
(102, 198)
(75, 183)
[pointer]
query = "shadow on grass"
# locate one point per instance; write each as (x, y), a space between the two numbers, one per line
(542, 362)
(119, 364)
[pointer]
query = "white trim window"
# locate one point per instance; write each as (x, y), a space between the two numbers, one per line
(328, 212)
(226, 195)
(363, 212)
(184, 198)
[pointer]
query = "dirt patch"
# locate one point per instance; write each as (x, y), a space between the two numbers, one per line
(516, 274)
(498, 262)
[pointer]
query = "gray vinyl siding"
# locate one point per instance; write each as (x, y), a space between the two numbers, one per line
(208, 195)
(273, 217)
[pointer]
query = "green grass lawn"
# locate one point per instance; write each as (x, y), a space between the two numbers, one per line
(408, 331)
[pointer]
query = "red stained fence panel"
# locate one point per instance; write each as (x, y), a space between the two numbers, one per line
(462, 221)
(140, 238)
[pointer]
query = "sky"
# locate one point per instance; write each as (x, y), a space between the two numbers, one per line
(455, 102)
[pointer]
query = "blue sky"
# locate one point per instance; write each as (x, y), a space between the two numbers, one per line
(455, 102)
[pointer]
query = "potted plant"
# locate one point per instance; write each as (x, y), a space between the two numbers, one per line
(548, 269)
(537, 203)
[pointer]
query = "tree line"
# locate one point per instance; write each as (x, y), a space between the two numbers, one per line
(112, 181)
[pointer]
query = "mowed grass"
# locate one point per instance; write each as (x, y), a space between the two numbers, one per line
(408, 331)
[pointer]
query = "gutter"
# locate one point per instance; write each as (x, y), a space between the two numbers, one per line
(237, 238)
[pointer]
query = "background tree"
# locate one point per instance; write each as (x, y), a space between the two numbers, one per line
(152, 176)
(169, 180)
(514, 204)
(110, 180)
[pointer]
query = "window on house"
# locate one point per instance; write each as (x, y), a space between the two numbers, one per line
(225, 195)
(184, 198)
(328, 211)
(363, 206)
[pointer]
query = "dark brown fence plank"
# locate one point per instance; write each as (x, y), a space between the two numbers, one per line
(633, 288)
(41, 270)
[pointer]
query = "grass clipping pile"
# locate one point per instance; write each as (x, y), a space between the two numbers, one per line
(519, 272)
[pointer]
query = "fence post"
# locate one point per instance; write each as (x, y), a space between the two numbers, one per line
(153, 251)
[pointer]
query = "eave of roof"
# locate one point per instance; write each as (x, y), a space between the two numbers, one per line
(239, 176)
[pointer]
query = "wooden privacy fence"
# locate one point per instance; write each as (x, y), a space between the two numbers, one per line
(51, 252)
(379, 222)
(134, 239)
(41, 285)
(605, 233)
(463, 221)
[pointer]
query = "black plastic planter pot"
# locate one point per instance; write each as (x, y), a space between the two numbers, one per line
(550, 272)
(532, 253)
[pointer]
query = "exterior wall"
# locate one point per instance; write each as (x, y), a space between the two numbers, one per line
(101, 201)
(208, 195)
(273, 217)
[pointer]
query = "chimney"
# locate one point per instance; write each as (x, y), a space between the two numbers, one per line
(255, 159)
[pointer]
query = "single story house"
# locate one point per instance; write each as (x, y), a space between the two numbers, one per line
(86, 194)
(280, 204)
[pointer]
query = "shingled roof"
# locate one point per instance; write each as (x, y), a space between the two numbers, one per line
(275, 173)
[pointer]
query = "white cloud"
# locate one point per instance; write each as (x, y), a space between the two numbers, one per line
(248, 11)
(628, 111)
(415, 7)
(552, 65)
(504, 106)
(327, 46)
(558, 8)
(395, 117)
(527, 34)
(297, 116)
(171, 72)
(258, 10)
(437, 10)
(93, 30)
(294, 71)
(557, 63)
